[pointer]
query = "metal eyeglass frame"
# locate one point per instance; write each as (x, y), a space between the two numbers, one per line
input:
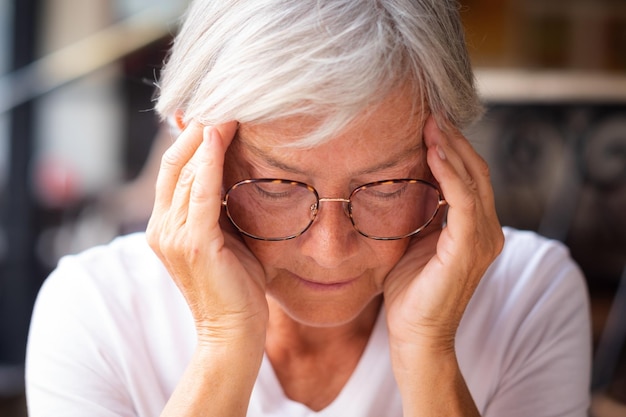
(315, 207)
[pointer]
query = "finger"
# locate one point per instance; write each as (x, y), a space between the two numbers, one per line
(172, 163)
(435, 139)
(478, 170)
(464, 180)
(189, 173)
(475, 165)
(457, 164)
(465, 212)
(447, 166)
(205, 199)
(227, 132)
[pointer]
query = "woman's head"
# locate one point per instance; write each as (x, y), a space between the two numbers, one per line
(258, 61)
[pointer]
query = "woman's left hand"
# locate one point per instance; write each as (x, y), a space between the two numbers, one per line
(427, 292)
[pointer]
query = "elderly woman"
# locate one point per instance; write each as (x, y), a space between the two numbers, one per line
(323, 241)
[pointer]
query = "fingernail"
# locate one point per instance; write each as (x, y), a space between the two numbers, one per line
(440, 152)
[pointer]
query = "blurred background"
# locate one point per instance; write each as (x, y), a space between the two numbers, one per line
(79, 144)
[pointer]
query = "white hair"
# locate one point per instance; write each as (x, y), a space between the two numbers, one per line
(262, 60)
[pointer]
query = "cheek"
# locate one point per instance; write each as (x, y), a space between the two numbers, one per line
(388, 253)
(271, 254)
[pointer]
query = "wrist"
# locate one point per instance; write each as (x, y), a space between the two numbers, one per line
(241, 354)
(218, 380)
(426, 341)
(429, 354)
(431, 383)
(249, 334)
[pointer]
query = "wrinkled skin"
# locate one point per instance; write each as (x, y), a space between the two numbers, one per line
(330, 277)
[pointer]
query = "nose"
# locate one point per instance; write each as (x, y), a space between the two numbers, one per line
(331, 239)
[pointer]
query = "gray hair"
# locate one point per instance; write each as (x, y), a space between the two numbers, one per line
(261, 60)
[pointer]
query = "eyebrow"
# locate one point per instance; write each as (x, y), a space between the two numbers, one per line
(393, 161)
(275, 163)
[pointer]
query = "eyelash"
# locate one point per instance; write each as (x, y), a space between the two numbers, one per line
(269, 195)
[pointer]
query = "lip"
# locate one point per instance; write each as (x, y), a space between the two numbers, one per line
(325, 286)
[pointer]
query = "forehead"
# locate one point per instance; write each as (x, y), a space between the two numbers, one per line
(381, 135)
(396, 115)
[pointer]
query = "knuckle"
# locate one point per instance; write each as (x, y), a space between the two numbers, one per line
(172, 246)
(169, 244)
(498, 241)
(164, 238)
(469, 198)
(152, 232)
(159, 242)
(203, 197)
(151, 235)
(483, 168)
(170, 158)
(198, 192)
(493, 242)
(186, 177)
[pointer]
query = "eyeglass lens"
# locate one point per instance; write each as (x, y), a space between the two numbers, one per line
(281, 209)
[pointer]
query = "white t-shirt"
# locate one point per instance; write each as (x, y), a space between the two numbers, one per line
(111, 335)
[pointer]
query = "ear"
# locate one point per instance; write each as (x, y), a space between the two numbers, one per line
(179, 118)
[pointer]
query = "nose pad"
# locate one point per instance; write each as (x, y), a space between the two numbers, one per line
(346, 209)
(313, 211)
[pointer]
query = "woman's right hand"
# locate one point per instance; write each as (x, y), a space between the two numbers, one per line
(221, 280)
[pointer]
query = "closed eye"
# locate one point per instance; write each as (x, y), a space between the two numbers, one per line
(384, 191)
(273, 193)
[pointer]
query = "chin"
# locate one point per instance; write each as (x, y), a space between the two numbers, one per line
(326, 313)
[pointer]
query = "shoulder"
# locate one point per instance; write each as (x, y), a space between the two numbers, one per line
(119, 283)
(526, 331)
(534, 278)
(530, 265)
(522, 245)
(130, 252)
(119, 266)
(110, 321)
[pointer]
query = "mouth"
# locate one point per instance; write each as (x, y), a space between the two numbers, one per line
(325, 286)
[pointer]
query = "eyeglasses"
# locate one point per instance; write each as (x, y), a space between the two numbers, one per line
(276, 209)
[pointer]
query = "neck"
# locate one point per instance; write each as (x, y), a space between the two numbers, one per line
(313, 363)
